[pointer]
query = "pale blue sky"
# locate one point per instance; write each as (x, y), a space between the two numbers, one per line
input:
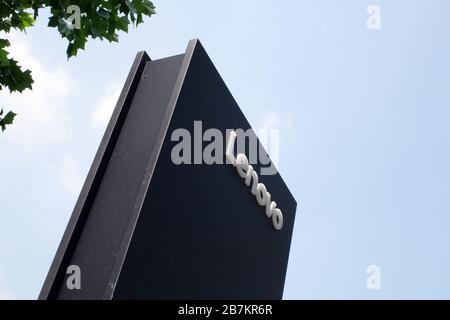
(365, 138)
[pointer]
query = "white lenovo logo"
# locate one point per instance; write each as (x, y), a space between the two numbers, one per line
(245, 171)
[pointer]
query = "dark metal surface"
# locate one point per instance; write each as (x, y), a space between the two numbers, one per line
(68, 244)
(201, 234)
(145, 228)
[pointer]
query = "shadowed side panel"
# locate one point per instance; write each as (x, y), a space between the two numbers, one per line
(87, 195)
(103, 232)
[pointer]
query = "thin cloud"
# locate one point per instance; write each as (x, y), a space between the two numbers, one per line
(5, 293)
(43, 119)
(71, 176)
(105, 106)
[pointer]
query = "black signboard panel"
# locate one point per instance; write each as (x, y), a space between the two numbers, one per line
(147, 228)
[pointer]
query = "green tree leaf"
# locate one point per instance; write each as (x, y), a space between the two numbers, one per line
(102, 19)
(7, 119)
